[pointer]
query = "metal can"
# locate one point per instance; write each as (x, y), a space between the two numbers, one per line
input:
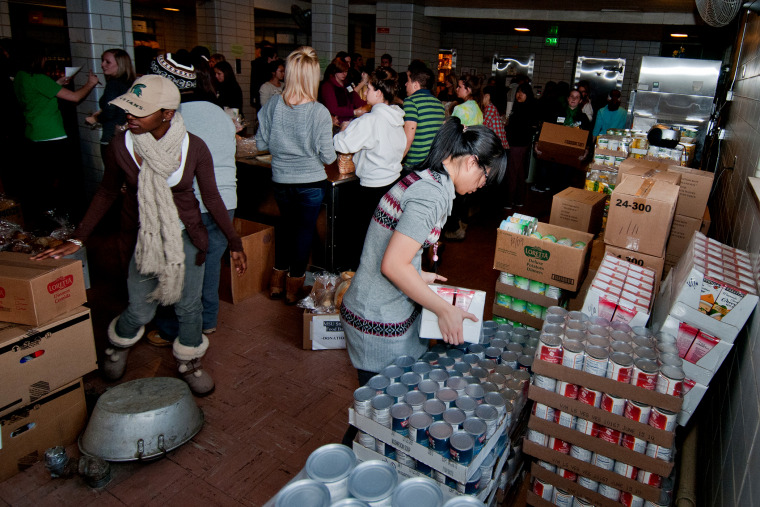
(566, 389)
(548, 383)
(455, 417)
(588, 483)
(490, 415)
(621, 327)
(381, 409)
(411, 380)
(543, 489)
(620, 367)
(658, 451)
(626, 470)
(393, 373)
(378, 383)
(397, 391)
(476, 392)
(631, 500)
(670, 380)
(573, 356)
(590, 396)
(558, 445)
(400, 413)
(430, 358)
(645, 353)
(547, 466)
(649, 478)
(613, 404)
(363, 400)
(633, 443)
(509, 358)
(596, 361)
(561, 497)
(537, 437)
(404, 362)
(662, 419)
(580, 502)
(523, 381)
(522, 283)
(587, 427)
(477, 429)
(601, 461)
(446, 363)
(466, 404)
(534, 310)
(610, 435)
(416, 399)
(645, 374)
(439, 434)
(580, 453)
(621, 346)
(472, 485)
(537, 287)
(434, 408)
(637, 411)
(503, 300)
(565, 419)
(422, 369)
(458, 384)
(439, 375)
(670, 360)
(419, 423)
(507, 278)
(405, 459)
(550, 348)
(461, 447)
(428, 388)
(594, 340)
(666, 348)
(447, 396)
(609, 492)
(544, 412)
(525, 363)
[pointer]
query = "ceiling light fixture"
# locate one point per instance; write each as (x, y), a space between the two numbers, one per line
(679, 35)
(172, 9)
(522, 29)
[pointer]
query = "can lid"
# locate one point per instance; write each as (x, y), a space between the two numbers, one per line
(417, 491)
(303, 492)
(429, 357)
(500, 341)
(349, 502)
(446, 395)
(420, 420)
(421, 368)
(434, 407)
(474, 391)
(330, 463)
(411, 378)
(574, 346)
(404, 362)
(474, 426)
(487, 412)
(495, 399)
(472, 358)
(397, 390)
(372, 480)
(463, 367)
(621, 358)
(646, 365)
(521, 375)
(454, 353)
(464, 501)
(446, 362)
(456, 383)
(645, 353)
(428, 386)
(415, 398)
(401, 411)
(475, 477)
(674, 372)
(440, 430)
(489, 460)
(438, 375)
(551, 339)
(392, 371)
(504, 369)
(454, 416)
(379, 382)
(475, 348)
(364, 393)
(597, 352)
(382, 402)
(462, 441)
(493, 351)
(478, 372)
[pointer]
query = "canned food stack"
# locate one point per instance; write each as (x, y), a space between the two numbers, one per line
(521, 301)
(334, 476)
(704, 302)
(606, 399)
(520, 224)
(621, 292)
(459, 403)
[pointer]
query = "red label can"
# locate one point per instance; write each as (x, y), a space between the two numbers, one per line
(590, 396)
(544, 412)
(543, 489)
(558, 445)
(567, 389)
(662, 419)
(645, 374)
(587, 427)
(613, 404)
(567, 474)
(635, 444)
(636, 411)
(670, 380)
(626, 470)
(610, 435)
(631, 500)
(649, 478)
(550, 348)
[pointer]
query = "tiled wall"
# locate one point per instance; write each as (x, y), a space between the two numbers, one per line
(555, 64)
(94, 26)
(5, 19)
(329, 28)
(411, 35)
(729, 416)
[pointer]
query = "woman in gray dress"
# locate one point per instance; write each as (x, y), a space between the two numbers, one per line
(381, 309)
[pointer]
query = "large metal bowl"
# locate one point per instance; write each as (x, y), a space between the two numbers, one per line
(141, 420)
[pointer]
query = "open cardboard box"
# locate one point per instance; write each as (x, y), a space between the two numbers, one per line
(551, 263)
(258, 243)
(35, 292)
(459, 473)
(37, 360)
(593, 472)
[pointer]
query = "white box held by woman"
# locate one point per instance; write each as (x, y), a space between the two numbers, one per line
(473, 301)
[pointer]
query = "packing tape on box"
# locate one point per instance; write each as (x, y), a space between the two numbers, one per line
(645, 188)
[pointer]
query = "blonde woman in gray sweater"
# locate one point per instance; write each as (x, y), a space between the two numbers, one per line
(297, 131)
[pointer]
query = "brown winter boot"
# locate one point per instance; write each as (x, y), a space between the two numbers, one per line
(277, 283)
(293, 289)
(189, 366)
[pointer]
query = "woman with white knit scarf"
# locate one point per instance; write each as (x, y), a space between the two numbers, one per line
(157, 160)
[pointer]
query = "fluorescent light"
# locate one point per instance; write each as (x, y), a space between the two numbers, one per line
(171, 9)
(679, 35)
(522, 29)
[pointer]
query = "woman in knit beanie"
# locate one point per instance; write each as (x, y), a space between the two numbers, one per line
(156, 160)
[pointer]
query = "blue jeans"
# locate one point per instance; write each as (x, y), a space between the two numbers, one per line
(140, 311)
(299, 209)
(166, 320)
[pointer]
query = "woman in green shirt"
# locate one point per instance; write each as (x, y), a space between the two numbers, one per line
(469, 90)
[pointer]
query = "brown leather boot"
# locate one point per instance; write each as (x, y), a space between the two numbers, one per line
(277, 283)
(293, 288)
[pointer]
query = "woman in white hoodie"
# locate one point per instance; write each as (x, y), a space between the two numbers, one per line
(378, 142)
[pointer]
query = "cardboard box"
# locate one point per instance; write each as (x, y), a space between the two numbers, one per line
(681, 232)
(36, 360)
(429, 329)
(656, 264)
(459, 473)
(706, 221)
(258, 243)
(640, 215)
(690, 402)
(651, 169)
(694, 190)
(35, 292)
(56, 419)
(563, 145)
(322, 331)
(681, 302)
(578, 209)
(558, 265)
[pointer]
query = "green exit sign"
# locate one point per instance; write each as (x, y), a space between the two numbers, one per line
(553, 30)
(552, 42)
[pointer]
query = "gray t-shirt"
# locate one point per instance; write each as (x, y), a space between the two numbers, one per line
(299, 139)
(381, 322)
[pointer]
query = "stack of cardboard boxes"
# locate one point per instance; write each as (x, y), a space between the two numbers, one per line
(704, 303)
(547, 263)
(46, 346)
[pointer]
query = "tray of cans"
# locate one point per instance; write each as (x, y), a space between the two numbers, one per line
(479, 486)
(525, 301)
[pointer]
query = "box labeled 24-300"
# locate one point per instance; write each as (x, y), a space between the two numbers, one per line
(578, 209)
(640, 215)
(34, 292)
(537, 259)
(37, 360)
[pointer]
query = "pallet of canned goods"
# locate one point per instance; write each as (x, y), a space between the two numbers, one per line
(524, 300)
(606, 400)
